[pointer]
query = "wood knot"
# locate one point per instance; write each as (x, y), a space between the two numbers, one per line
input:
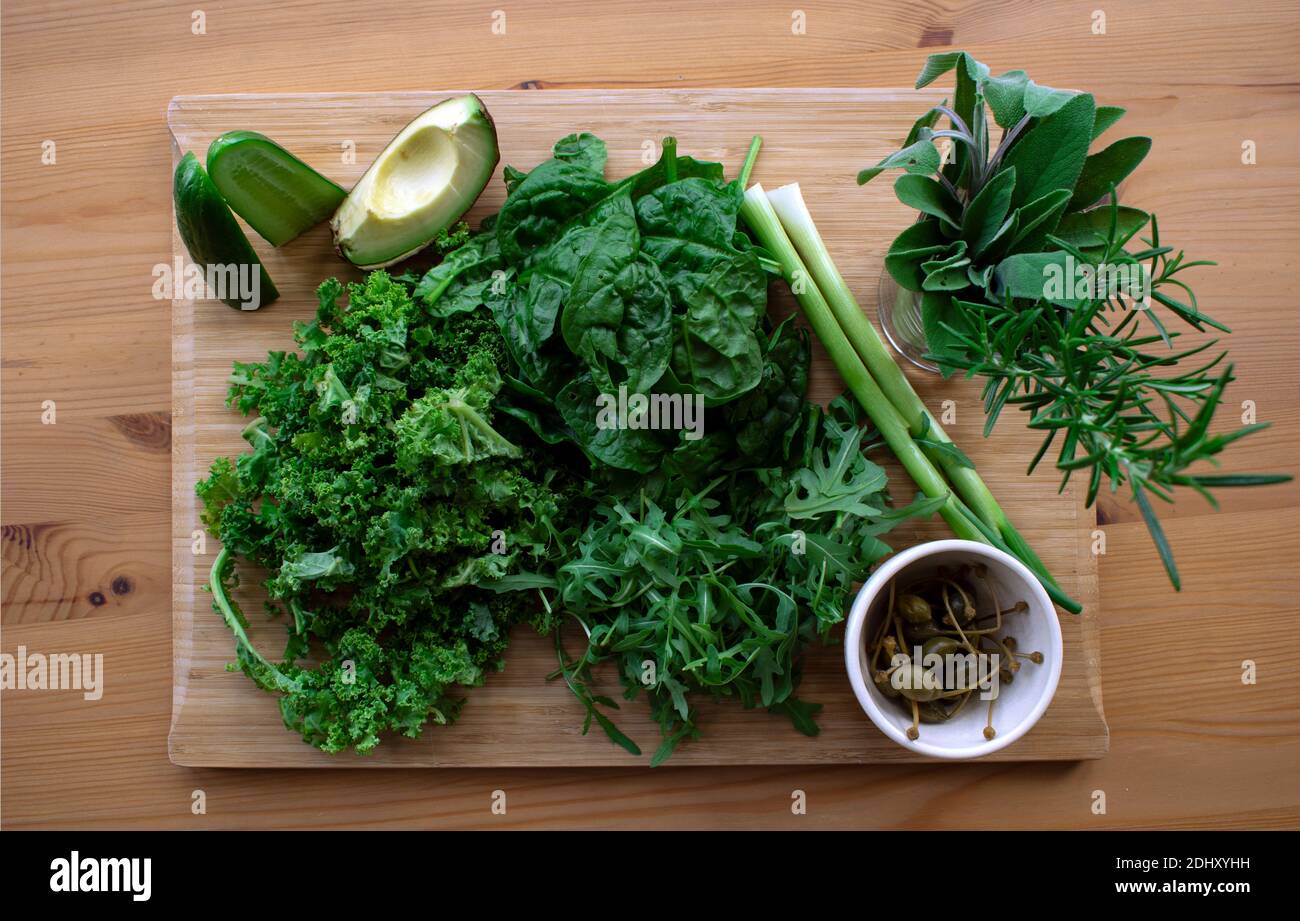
(151, 431)
(933, 38)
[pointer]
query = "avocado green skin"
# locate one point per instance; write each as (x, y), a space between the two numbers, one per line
(306, 197)
(208, 229)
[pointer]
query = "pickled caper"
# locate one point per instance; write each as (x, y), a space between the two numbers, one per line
(941, 646)
(917, 685)
(939, 614)
(913, 608)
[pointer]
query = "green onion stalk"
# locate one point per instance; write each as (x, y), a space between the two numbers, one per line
(880, 386)
(793, 213)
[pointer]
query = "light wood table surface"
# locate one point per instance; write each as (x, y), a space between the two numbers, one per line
(86, 501)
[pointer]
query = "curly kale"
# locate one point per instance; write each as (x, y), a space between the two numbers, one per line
(377, 495)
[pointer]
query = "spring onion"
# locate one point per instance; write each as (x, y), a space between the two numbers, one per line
(761, 217)
(792, 211)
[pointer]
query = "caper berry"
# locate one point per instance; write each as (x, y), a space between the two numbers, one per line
(916, 684)
(914, 608)
(934, 711)
(941, 646)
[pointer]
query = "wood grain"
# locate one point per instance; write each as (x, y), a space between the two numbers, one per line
(1191, 746)
(519, 718)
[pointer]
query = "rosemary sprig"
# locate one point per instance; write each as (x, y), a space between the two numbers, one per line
(1120, 403)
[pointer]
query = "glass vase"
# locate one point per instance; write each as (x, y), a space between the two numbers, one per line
(899, 311)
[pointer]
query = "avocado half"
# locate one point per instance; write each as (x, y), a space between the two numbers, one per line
(422, 183)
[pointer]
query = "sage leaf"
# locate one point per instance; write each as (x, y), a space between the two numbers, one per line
(941, 322)
(947, 274)
(936, 65)
(911, 248)
(1006, 97)
(925, 123)
(1051, 154)
(929, 197)
(921, 159)
(1039, 218)
(1107, 168)
(1041, 101)
(1086, 229)
(1036, 276)
(1107, 116)
(987, 212)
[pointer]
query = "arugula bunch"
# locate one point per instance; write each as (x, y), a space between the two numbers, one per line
(716, 590)
(1033, 276)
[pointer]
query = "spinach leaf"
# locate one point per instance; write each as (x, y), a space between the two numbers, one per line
(688, 227)
(764, 419)
(583, 149)
(617, 315)
(658, 173)
(719, 290)
(552, 194)
(619, 446)
(716, 351)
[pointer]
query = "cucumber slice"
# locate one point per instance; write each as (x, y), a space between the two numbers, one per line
(278, 194)
(211, 233)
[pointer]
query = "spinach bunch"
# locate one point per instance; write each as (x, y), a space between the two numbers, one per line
(644, 285)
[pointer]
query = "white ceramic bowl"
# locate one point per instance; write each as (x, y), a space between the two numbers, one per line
(1019, 704)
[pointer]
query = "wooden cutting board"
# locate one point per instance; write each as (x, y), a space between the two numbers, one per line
(817, 137)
